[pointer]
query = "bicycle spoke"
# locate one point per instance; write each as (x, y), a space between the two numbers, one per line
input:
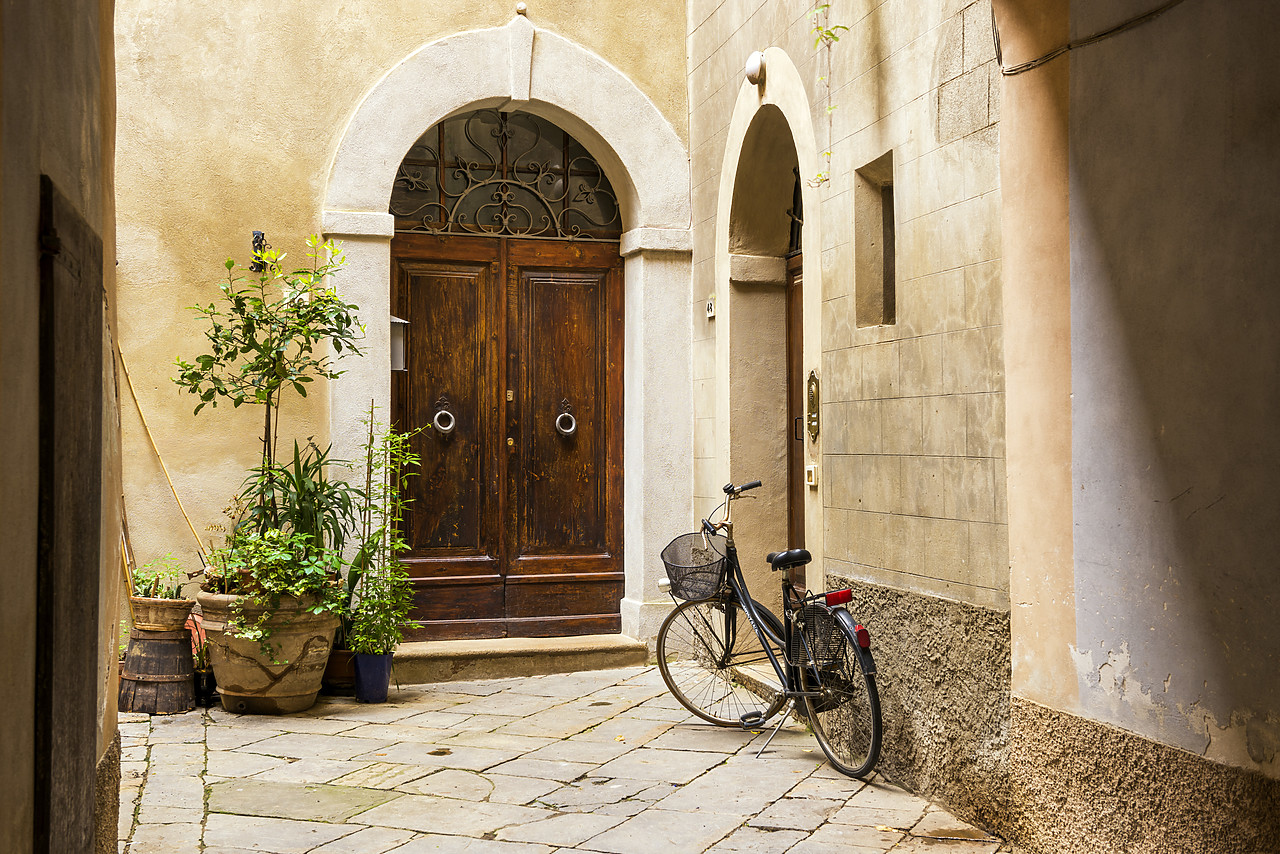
(705, 672)
(846, 715)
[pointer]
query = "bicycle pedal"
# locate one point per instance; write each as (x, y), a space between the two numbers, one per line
(751, 720)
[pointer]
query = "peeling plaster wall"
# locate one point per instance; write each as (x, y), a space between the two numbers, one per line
(944, 697)
(1175, 356)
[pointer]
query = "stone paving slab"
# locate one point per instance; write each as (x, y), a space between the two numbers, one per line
(428, 813)
(333, 804)
(273, 835)
(604, 762)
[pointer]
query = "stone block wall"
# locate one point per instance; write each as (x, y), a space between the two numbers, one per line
(912, 465)
(911, 452)
(914, 448)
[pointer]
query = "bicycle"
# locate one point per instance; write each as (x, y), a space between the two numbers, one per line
(817, 653)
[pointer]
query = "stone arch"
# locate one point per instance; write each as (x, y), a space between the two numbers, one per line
(522, 67)
(516, 67)
(771, 129)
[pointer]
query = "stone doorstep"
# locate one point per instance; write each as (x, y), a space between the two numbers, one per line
(461, 660)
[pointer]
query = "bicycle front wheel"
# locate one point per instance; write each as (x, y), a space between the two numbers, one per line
(712, 661)
(845, 717)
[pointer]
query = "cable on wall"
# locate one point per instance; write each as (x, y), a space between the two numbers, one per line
(1056, 52)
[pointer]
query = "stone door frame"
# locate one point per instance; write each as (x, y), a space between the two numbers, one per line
(526, 68)
(782, 89)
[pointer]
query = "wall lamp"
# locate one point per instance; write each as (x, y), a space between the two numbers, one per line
(755, 68)
(399, 338)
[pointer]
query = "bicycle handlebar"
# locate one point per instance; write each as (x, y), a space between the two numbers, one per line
(730, 489)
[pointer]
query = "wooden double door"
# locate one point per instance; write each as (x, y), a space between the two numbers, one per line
(515, 377)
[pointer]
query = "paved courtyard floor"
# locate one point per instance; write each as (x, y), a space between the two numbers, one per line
(601, 761)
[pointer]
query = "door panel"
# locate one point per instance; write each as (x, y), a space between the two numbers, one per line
(514, 528)
(796, 409)
(564, 373)
(447, 293)
(450, 499)
(566, 519)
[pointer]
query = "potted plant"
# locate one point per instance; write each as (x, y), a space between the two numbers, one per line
(377, 627)
(157, 602)
(155, 674)
(205, 684)
(378, 592)
(269, 612)
(271, 593)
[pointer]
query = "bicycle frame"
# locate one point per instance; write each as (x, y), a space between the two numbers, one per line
(820, 657)
(788, 676)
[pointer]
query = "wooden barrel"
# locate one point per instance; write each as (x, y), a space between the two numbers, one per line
(157, 677)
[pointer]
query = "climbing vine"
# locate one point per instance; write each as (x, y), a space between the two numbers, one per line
(825, 34)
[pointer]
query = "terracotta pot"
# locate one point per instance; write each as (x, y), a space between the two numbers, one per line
(160, 615)
(206, 688)
(248, 680)
(340, 674)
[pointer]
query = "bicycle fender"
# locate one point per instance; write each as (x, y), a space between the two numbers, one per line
(865, 661)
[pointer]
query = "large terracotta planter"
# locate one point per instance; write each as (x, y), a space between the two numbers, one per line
(248, 681)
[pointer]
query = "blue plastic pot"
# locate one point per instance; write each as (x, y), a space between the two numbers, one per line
(373, 677)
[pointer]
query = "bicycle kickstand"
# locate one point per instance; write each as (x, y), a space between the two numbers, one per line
(782, 719)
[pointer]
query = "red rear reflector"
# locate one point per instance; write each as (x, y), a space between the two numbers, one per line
(863, 636)
(839, 597)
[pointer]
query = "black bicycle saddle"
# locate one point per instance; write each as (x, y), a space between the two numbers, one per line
(789, 558)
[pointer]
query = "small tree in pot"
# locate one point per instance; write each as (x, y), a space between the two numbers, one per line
(273, 592)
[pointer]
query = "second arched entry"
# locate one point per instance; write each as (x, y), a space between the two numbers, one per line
(766, 335)
(506, 265)
(768, 324)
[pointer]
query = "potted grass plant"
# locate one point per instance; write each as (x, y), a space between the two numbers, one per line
(205, 685)
(157, 601)
(272, 593)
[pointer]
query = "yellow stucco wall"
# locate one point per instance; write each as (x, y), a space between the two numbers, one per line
(230, 115)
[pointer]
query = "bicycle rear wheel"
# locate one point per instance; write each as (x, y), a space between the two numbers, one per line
(846, 716)
(712, 661)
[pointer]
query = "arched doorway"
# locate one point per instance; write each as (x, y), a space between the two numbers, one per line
(766, 333)
(769, 334)
(505, 263)
(648, 167)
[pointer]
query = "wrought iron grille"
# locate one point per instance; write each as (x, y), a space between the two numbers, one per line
(504, 175)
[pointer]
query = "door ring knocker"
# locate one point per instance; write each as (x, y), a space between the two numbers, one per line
(566, 424)
(444, 420)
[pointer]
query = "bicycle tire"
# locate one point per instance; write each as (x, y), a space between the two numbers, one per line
(718, 685)
(846, 718)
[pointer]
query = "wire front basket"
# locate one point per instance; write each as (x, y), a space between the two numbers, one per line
(821, 634)
(695, 565)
